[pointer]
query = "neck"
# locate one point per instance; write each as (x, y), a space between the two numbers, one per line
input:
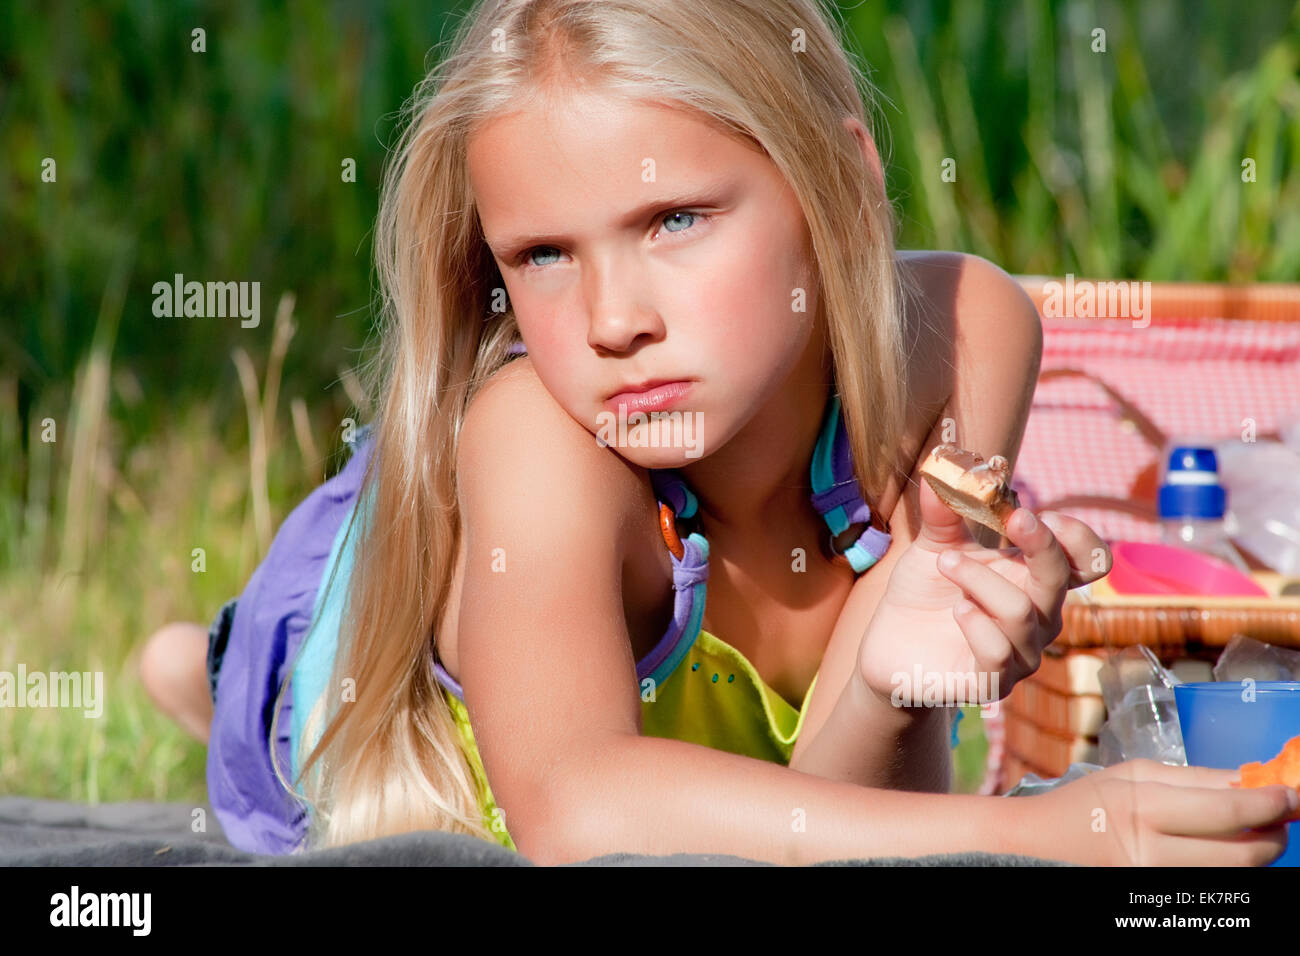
(759, 484)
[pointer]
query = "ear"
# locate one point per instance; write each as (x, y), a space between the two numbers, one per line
(868, 147)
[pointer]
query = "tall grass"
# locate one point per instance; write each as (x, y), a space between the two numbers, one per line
(122, 569)
(1069, 160)
(130, 441)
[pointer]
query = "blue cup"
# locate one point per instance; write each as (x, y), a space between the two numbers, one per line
(1223, 730)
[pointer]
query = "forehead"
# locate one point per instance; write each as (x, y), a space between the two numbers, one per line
(604, 151)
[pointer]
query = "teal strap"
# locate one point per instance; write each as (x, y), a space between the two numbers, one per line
(858, 556)
(823, 464)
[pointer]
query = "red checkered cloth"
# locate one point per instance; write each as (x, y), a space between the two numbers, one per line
(1201, 380)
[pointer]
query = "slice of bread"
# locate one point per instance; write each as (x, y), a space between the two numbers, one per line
(972, 487)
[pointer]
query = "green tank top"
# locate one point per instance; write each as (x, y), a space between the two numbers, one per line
(716, 699)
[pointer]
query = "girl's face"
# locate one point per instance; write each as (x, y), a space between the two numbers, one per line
(638, 243)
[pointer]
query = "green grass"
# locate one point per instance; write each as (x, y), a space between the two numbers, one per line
(1070, 160)
(224, 165)
(972, 750)
(121, 528)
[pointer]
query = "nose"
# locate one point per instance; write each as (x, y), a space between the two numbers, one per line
(618, 308)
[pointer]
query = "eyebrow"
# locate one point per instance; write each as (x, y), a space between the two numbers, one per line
(706, 194)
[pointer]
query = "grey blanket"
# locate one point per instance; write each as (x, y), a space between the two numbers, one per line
(54, 833)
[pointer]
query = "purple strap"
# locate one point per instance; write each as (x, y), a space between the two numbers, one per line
(447, 680)
(841, 493)
(690, 570)
(845, 492)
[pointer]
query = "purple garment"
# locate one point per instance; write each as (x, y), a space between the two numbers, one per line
(271, 618)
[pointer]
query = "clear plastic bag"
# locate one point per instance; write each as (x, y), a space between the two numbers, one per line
(1262, 479)
(1141, 714)
(1031, 783)
(1246, 657)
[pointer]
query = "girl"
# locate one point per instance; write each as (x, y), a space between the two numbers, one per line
(604, 575)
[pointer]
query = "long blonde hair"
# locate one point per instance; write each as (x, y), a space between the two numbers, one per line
(774, 72)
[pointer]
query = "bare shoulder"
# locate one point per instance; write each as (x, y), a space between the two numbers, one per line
(514, 422)
(974, 341)
(978, 341)
(965, 290)
(527, 472)
(962, 308)
(956, 292)
(520, 453)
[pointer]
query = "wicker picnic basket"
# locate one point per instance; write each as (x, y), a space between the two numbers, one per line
(1051, 720)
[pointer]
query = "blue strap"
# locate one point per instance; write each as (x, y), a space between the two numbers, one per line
(836, 494)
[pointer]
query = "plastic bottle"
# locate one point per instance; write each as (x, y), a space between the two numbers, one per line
(1192, 504)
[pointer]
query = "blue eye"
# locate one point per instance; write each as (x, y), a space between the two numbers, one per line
(526, 257)
(672, 214)
(527, 260)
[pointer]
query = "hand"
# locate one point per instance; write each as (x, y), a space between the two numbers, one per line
(986, 620)
(1143, 813)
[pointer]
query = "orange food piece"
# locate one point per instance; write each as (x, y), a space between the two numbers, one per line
(1283, 769)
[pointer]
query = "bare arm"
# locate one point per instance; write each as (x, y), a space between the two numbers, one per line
(551, 689)
(870, 744)
(997, 352)
(659, 796)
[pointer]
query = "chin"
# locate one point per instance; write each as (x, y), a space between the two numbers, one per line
(660, 459)
(670, 446)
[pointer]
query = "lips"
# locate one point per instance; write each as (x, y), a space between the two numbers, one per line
(653, 396)
(644, 386)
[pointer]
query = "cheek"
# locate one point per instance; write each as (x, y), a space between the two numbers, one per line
(550, 324)
(760, 296)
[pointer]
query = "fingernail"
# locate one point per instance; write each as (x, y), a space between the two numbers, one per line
(949, 560)
(1052, 520)
(1030, 522)
(1293, 798)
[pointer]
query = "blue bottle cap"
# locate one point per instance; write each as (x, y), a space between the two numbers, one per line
(1191, 487)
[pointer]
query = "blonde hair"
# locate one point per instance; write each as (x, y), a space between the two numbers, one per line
(773, 72)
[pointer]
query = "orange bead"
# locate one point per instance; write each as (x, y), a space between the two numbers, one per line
(668, 525)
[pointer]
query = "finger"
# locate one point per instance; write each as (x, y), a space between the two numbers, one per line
(941, 527)
(1184, 826)
(993, 651)
(1012, 611)
(1248, 848)
(1178, 776)
(1088, 555)
(1049, 567)
(1214, 812)
(1157, 772)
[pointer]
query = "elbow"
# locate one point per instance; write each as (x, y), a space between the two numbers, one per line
(553, 842)
(560, 827)
(580, 815)
(567, 836)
